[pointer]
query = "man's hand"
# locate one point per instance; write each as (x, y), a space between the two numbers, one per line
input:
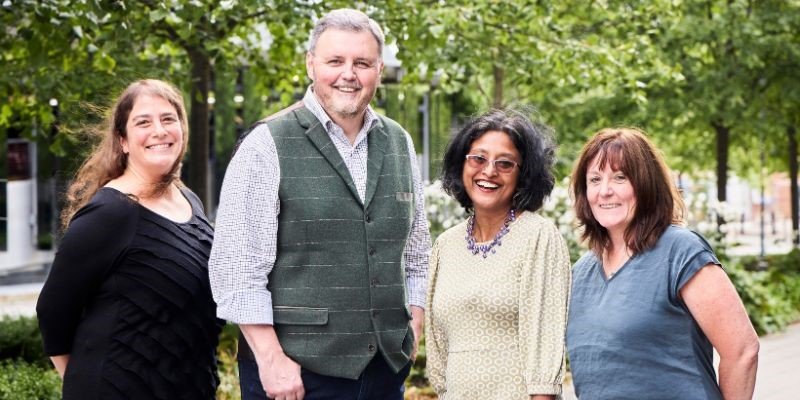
(279, 374)
(417, 322)
(280, 377)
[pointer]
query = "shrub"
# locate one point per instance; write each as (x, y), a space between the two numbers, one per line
(227, 367)
(20, 380)
(771, 297)
(20, 339)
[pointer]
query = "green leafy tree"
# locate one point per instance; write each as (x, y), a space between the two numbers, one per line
(728, 54)
(86, 51)
(197, 35)
(581, 64)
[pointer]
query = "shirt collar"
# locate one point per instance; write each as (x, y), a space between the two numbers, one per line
(312, 103)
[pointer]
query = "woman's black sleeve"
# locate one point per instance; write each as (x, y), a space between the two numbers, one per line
(93, 244)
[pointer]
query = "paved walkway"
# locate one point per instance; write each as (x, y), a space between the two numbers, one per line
(779, 366)
(778, 371)
(19, 299)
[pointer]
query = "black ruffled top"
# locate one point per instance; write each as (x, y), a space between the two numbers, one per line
(128, 299)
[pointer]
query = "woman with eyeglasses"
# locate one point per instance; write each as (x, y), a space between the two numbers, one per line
(499, 282)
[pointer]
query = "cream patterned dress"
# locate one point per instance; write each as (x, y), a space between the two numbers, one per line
(495, 326)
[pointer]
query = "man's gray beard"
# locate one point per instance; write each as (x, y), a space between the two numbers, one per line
(356, 110)
(345, 112)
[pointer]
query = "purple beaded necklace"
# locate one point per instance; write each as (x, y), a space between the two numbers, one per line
(485, 249)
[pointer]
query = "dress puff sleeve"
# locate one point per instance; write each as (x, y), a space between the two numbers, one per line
(543, 306)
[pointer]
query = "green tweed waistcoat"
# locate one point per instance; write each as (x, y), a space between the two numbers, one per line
(338, 284)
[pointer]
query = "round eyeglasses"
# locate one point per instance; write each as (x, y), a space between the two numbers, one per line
(501, 165)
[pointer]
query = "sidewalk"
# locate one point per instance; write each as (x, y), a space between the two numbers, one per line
(16, 300)
(778, 365)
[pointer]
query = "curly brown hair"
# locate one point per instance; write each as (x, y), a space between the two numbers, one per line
(107, 161)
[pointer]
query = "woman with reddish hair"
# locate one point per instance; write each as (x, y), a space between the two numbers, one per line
(650, 300)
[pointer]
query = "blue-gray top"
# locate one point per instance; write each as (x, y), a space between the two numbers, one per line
(631, 336)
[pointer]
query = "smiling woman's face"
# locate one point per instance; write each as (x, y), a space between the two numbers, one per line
(490, 190)
(611, 197)
(154, 137)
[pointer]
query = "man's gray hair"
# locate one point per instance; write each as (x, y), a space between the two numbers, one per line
(347, 19)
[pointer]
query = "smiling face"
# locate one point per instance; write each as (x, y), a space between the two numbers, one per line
(611, 197)
(154, 137)
(490, 190)
(346, 68)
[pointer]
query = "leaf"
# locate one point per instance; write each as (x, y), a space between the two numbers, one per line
(104, 63)
(158, 14)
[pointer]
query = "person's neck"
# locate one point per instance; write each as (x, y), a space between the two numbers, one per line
(617, 239)
(616, 254)
(350, 126)
(615, 257)
(487, 224)
(135, 183)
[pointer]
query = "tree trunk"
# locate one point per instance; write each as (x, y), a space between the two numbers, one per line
(499, 74)
(723, 139)
(793, 171)
(199, 151)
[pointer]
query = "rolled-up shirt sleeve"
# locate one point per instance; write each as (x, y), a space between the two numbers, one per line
(246, 230)
(418, 247)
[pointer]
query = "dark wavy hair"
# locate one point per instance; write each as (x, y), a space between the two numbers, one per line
(658, 203)
(536, 147)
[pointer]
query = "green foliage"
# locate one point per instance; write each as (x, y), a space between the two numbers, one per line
(227, 367)
(20, 380)
(402, 105)
(416, 378)
(20, 339)
(771, 297)
(417, 375)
